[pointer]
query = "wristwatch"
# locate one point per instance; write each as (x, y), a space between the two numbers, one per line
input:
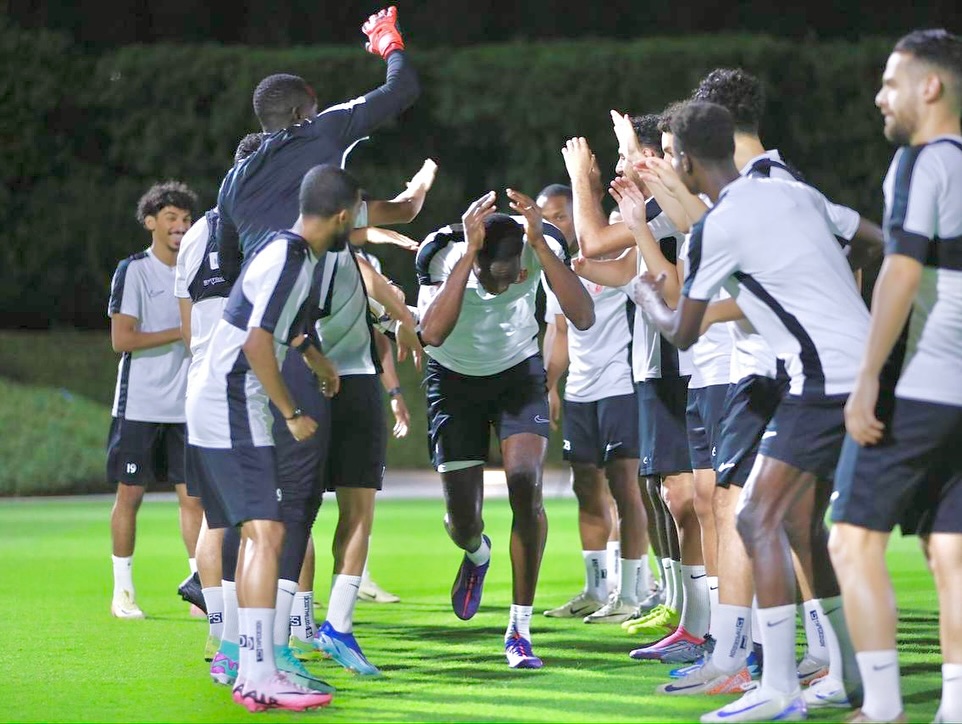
(294, 415)
(394, 392)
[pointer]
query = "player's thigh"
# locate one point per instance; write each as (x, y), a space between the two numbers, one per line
(358, 435)
(132, 457)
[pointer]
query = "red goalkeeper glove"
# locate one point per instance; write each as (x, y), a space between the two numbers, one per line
(382, 33)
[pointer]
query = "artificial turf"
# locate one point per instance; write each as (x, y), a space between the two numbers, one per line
(64, 658)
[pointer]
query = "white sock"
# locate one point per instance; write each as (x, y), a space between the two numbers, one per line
(302, 616)
(480, 556)
(778, 641)
(231, 616)
(813, 619)
(732, 637)
(882, 692)
(644, 578)
(613, 549)
(340, 610)
(951, 706)
(841, 651)
(677, 586)
(712, 601)
(667, 582)
(630, 575)
(214, 599)
(259, 624)
(596, 574)
(519, 621)
(282, 611)
(756, 626)
(696, 613)
(123, 574)
(245, 645)
(192, 562)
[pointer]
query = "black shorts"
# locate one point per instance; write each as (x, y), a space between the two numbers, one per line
(912, 478)
(462, 409)
(348, 449)
(749, 406)
(238, 484)
(807, 434)
(141, 453)
(704, 413)
(598, 432)
(663, 431)
(194, 470)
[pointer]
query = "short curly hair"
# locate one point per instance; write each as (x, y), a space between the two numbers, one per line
(705, 131)
(646, 128)
(664, 120)
(170, 193)
(247, 146)
(741, 93)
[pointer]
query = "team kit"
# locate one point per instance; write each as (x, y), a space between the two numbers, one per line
(718, 381)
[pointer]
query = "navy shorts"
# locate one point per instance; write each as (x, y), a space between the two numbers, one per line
(194, 470)
(704, 413)
(141, 453)
(807, 434)
(749, 406)
(913, 477)
(663, 431)
(598, 432)
(238, 484)
(463, 408)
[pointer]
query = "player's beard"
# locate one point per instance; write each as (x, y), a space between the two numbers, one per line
(341, 239)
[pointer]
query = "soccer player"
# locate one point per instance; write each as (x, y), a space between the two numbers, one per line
(802, 298)
(146, 442)
(903, 449)
(477, 307)
(230, 418)
(202, 293)
(600, 425)
(260, 196)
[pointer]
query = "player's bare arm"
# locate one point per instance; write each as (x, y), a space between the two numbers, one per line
(386, 294)
(556, 362)
(895, 289)
(392, 385)
(185, 306)
(572, 296)
(441, 316)
(595, 236)
(404, 207)
(126, 337)
(608, 272)
(377, 235)
(681, 326)
(259, 351)
(682, 206)
(866, 246)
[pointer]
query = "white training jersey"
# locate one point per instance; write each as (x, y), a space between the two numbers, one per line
(923, 220)
(599, 358)
(230, 407)
(369, 258)
(711, 355)
(494, 332)
(799, 293)
(343, 321)
(652, 356)
(151, 383)
(752, 355)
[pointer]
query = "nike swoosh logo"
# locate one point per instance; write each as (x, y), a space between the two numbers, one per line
(768, 434)
(831, 611)
(725, 466)
(541, 420)
(773, 624)
(695, 578)
(725, 714)
(883, 668)
(611, 446)
(713, 588)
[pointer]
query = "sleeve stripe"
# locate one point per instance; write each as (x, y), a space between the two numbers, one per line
(432, 245)
(120, 279)
(285, 283)
(694, 254)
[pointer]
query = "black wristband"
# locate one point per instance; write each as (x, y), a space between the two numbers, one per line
(394, 391)
(305, 344)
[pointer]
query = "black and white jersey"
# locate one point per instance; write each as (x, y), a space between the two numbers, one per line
(923, 220)
(751, 354)
(230, 407)
(652, 356)
(711, 354)
(494, 332)
(151, 383)
(799, 294)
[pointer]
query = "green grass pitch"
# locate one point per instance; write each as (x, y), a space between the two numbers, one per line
(64, 658)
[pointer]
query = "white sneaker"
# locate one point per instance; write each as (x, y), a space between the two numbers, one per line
(124, 606)
(370, 591)
(827, 692)
(615, 611)
(578, 607)
(810, 669)
(707, 679)
(761, 705)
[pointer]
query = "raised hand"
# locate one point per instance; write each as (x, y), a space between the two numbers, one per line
(377, 235)
(631, 202)
(659, 172)
(383, 37)
(533, 220)
(473, 220)
(648, 291)
(424, 178)
(578, 158)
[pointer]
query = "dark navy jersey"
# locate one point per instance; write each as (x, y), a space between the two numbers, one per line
(259, 195)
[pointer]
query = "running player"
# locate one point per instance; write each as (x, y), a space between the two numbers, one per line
(801, 296)
(477, 307)
(904, 448)
(146, 442)
(600, 424)
(230, 419)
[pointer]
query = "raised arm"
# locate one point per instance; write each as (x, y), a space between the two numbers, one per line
(681, 326)
(443, 311)
(609, 272)
(404, 207)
